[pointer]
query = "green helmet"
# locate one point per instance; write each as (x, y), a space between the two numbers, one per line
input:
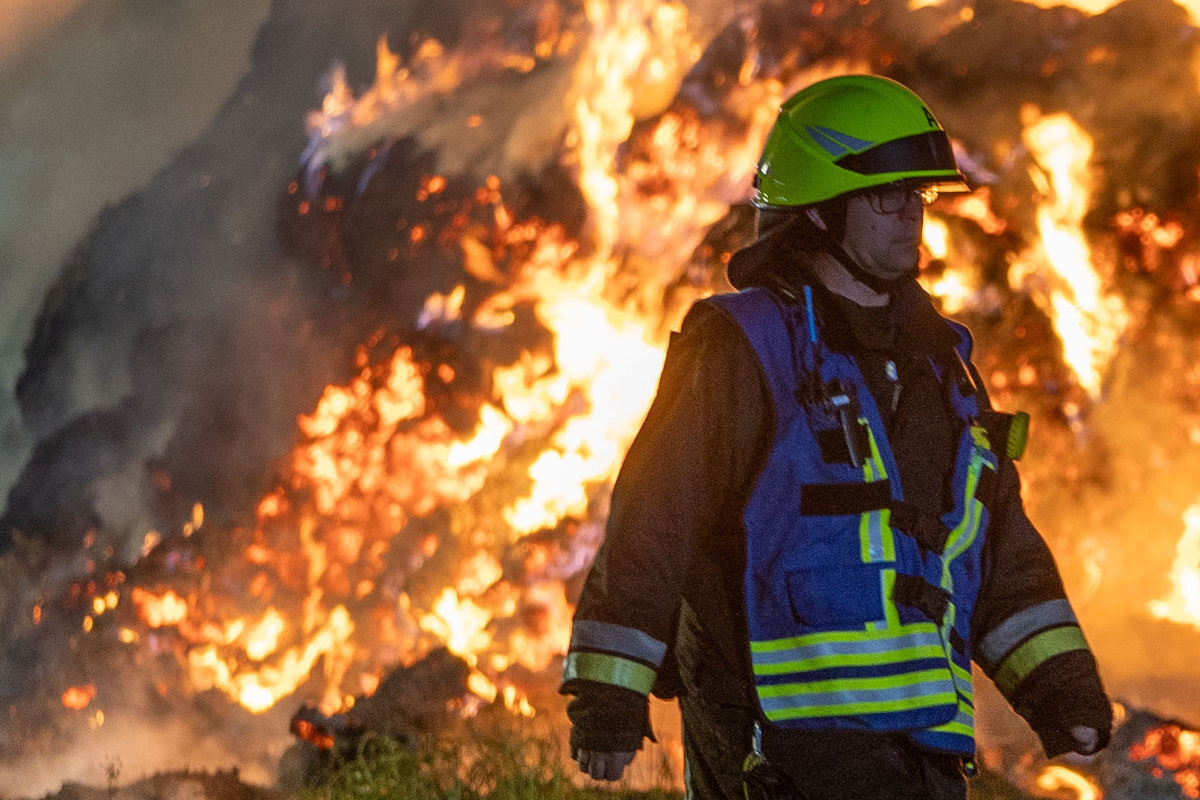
(849, 133)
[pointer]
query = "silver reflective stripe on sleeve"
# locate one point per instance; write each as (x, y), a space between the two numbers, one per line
(590, 634)
(1020, 626)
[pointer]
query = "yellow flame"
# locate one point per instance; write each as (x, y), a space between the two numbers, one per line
(1056, 778)
(936, 235)
(604, 355)
(1183, 603)
(482, 686)
(638, 49)
(161, 610)
(1100, 6)
(460, 623)
(259, 689)
(263, 638)
(1059, 270)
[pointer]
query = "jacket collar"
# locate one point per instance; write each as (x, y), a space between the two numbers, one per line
(778, 262)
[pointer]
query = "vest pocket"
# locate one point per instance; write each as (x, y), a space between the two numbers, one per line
(835, 597)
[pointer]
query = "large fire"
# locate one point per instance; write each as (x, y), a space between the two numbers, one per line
(444, 499)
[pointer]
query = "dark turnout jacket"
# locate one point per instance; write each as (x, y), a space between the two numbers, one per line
(663, 606)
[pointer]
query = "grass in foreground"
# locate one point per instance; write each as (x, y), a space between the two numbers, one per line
(496, 767)
(478, 768)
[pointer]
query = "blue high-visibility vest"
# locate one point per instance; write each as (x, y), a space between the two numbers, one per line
(859, 605)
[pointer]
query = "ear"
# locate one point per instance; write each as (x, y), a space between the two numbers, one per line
(814, 216)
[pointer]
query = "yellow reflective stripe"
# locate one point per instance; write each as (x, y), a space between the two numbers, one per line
(887, 578)
(873, 469)
(613, 670)
(870, 542)
(869, 707)
(954, 726)
(876, 542)
(980, 436)
(853, 684)
(956, 544)
(914, 629)
(962, 724)
(1010, 633)
(850, 660)
(1026, 658)
(889, 539)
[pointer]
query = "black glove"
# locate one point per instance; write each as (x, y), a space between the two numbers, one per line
(1061, 699)
(608, 719)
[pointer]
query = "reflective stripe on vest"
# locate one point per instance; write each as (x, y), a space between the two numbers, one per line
(841, 653)
(909, 690)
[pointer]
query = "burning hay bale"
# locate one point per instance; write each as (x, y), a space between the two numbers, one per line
(450, 316)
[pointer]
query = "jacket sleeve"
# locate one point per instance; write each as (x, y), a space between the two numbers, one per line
(682, 474)
(1025, 633)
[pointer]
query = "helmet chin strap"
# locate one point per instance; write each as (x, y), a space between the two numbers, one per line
(878, 284)
(827, 224)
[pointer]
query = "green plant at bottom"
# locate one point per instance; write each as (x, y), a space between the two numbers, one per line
(478, 767)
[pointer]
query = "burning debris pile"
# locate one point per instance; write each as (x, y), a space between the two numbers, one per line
(462, 293)
(1151, 757)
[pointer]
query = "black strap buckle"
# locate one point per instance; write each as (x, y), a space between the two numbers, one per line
(929, 531)
(932, 601)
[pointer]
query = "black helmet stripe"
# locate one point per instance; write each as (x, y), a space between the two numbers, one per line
(919, 153)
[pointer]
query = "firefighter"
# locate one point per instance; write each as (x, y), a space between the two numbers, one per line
(819, 525)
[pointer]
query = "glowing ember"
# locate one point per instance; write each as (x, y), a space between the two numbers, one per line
(1183, 604)
(1060, 270)
(78, 697)
(1056, 778)
(309, 733)
(1173, 750)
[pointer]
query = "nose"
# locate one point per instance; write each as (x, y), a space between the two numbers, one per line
(913, 208)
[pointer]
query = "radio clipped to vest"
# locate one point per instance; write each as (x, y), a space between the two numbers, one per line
(835, 400)
(844, 437)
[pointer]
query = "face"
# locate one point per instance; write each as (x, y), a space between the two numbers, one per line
(884, 238)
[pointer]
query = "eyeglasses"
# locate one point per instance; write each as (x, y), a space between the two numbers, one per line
(891, 199)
